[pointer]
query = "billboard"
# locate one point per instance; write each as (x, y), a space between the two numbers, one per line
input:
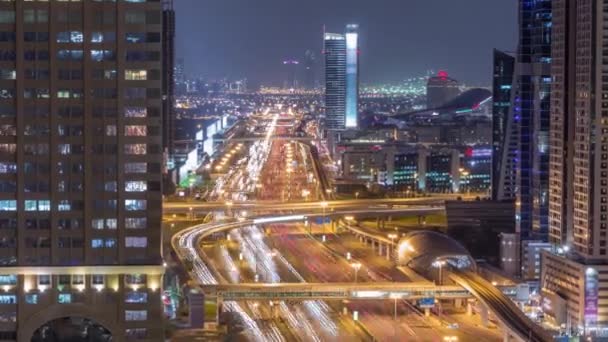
(426, 302)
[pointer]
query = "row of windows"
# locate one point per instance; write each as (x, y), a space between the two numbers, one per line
(42, 149)
(130, 242)
(68, 205)
(75, 168)
(7, 130)
(97, 37)
(77, 111)
(76, 186)
(77, 74)
(73, 224)
(77, 55)
(77, 93)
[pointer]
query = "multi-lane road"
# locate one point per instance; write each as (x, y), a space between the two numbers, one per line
(277, 185)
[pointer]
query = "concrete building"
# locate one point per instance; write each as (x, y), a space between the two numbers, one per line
(417, 168)
(578, 215)
(530, 258)
(440, 90)
(509, 253)
(80, 155)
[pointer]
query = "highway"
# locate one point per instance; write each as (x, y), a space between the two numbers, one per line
(264, 189)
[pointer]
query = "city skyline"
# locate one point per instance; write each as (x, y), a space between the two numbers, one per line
(398, 40)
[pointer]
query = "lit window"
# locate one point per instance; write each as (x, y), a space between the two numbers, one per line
(136, 222)
(103, 37)
(136, 112)
(70, 37)
(136, 315)
(97, 243)
(110, 243)
(97, 224)
(136, 297)
(8, 299)
(129, 168)
(31, 298)
(136, 131)
(135, 75)
(8, 205)
(64, 298)
(134, 205)
(136, 242)
(135, 149)
(136, 186)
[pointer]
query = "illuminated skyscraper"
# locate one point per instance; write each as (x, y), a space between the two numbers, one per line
(575, 271)
(291, 70)
(525, 147)
(503, 178)
(310, 61)
(341, 79)
(352, 76)
(80, 156)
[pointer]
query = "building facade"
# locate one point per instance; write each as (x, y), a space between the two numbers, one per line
(341, 79)
(575, 272)
(440, 90)
(503, 186)
(168, 77)
(80, 167)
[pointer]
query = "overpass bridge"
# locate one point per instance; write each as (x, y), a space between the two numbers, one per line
(340, 291)
(515, 323)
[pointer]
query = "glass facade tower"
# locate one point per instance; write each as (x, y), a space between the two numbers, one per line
(341, 79)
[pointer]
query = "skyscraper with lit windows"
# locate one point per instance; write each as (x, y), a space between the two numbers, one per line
(80, 168)
(341, 79)
(575, 271)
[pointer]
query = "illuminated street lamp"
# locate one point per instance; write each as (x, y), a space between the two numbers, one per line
(324, 205)
(357, 195)
(392, 237)
(356, 266)
(450, 338)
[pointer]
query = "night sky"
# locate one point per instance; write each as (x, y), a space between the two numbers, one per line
(399, 38)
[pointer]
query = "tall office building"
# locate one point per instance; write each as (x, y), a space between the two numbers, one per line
(440, 90)
(168, 77)
(310, 78)
(575, 273)
(341, 79)
(80, 169)
(525, 148)
(291, 67)
(503, 184)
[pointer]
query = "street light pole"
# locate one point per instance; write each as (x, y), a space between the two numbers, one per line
(356, 266)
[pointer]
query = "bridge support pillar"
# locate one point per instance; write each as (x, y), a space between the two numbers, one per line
(485, 320)
(274, 310)
(506, 336)
(457, 303)
(388, 252)
(379, 248)
(218, 312)
(427, 312)
(469, 309)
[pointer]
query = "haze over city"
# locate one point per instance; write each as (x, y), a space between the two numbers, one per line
(399, 39)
